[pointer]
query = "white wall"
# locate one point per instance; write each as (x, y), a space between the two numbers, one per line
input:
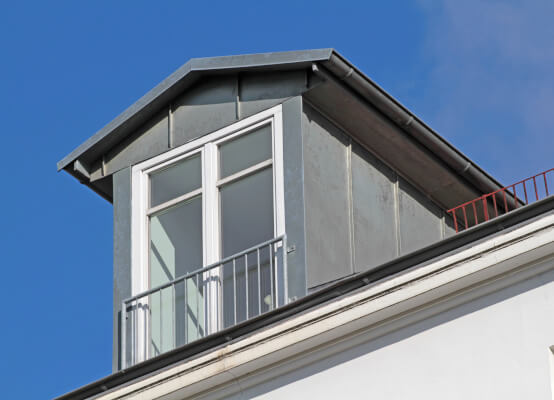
(494, 347)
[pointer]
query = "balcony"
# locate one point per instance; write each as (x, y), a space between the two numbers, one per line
(208, 300)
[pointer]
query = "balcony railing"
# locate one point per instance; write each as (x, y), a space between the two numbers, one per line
(502, 201)
(205, 301)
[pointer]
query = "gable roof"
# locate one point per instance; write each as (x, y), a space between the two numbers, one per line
(327, 63)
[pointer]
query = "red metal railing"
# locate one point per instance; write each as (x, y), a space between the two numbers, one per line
(502, 201)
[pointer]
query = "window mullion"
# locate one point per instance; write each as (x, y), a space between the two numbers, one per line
(211, 234)
(211, 211)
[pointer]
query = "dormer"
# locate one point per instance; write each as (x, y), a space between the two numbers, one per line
(241, 184)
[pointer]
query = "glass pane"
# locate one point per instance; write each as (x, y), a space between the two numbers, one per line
(246, 221)
(176, 180)
(175, 250)
(247, 212)
(245, 151)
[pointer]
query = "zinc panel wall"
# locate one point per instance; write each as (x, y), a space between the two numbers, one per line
(373, 199)
(208, 106)
(328, 234)
(122, 253)
(359, 212)
(420, 220)
(260, 91)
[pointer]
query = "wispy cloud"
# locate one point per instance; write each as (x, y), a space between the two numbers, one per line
(492, 82)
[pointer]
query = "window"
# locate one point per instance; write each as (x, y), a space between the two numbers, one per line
(194, 206)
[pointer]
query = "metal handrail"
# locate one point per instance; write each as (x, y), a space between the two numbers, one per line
(204, 269)
(481, 204)
(134, 304)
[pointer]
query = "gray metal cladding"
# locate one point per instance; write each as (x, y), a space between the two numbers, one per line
(374, 219)
(448, 224)
(211, 104)
(420, 220)
(151, 139)
(207, 107)
(326, 176)
(260, 91)
(122, 252)
(359, 212)
(293, 176)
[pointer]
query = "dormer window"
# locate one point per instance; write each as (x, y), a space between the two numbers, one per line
(196, 171)
(194, 206)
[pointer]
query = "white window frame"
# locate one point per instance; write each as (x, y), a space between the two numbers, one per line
(208, 147)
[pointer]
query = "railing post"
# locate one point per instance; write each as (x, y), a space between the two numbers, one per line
(285, 272)
(123, 333)
(485, 210)
(275, 266)
(494, 202)
(247, 283)
(453, 211)
(475, 212)
(259, 282)
(525, 191)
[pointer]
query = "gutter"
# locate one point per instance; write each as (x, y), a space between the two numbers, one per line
(327, 294)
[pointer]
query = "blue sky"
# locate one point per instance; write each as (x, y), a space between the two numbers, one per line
(481, 73)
